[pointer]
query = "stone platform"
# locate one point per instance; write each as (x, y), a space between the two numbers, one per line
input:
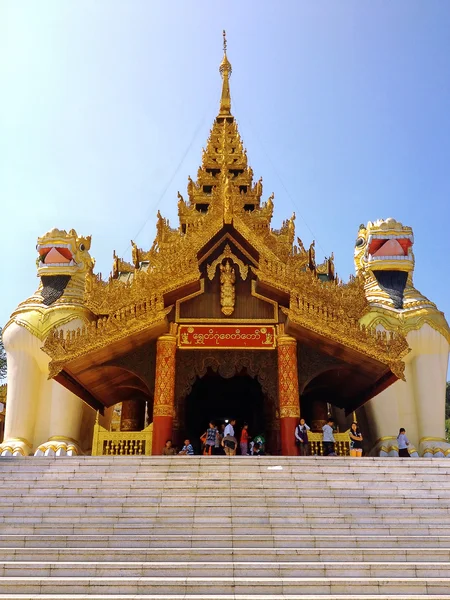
(243, 528)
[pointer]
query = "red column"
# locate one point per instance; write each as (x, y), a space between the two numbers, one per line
(288, 395)
(163, 406)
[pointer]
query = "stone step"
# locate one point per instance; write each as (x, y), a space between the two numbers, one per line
(287, 502)
(290, 480)
(239, 472)
(222, 524)
(380, 596)
(306, 503)
(351, 553)
(269, 492)
(206, 463)
(249, 530)
(264, 494)
(236, 468)
(171, 514)
(221, 569)
(284, 528)
(238, 540)
(263, 478)
(245, 512)
(234, 521)
(216, 586)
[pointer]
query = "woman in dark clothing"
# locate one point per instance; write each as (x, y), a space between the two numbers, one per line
(356, 439)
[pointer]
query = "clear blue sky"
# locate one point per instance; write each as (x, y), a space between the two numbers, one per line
(343, 106)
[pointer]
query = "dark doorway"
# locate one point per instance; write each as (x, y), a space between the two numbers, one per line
(215, 398)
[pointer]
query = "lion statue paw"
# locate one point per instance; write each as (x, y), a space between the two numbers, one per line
(388, 447)
(434, 448)
(58, 447)
(15, 447)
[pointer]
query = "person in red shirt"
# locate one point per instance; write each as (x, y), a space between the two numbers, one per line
(244, 440)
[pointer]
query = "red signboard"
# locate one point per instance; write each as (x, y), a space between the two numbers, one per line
(253, 337)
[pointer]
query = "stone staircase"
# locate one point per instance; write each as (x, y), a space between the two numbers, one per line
(241, 528)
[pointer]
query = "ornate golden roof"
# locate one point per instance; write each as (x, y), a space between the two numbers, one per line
(224, 194)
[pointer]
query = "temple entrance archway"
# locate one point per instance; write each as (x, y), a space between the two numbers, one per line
(226, 376)
(217, 398)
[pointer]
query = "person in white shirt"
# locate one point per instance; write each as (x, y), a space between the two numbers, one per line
(229, 442)
(328, 438)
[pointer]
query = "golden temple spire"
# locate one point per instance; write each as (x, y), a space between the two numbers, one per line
(225, 71)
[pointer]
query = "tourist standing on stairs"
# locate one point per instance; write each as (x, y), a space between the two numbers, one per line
(229, 442)
(356, 439)
(209, 439)
(244, 440)
(403, 444)
(328, 438)
(301, 437)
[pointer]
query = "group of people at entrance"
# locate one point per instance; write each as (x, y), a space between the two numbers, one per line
(223, 441)
(328, 441)
(217, 441)
(355, 439)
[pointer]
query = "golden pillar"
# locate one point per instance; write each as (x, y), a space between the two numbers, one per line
(163, 406)
(288, 394)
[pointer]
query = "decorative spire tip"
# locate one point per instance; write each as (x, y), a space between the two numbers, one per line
(225, 71)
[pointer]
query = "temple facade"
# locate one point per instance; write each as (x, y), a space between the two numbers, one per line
(222, 317)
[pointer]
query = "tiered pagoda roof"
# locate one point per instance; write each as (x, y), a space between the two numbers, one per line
(225, 202)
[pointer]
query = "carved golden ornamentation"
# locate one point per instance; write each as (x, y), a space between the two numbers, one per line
(288, 393)
(64, 347)
(227, 291)
(166, 347)
(327, 268)
(120, 266)
(336, 324)
(227, 253)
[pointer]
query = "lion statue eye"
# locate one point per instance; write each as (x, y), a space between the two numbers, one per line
(82, 247)
(360, 242)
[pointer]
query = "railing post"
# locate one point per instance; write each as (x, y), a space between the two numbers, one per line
(95, 448)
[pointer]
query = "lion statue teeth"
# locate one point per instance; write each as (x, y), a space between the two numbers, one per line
(384, 257)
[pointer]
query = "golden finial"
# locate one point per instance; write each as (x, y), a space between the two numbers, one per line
(225, 71)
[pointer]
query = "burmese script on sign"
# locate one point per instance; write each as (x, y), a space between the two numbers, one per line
(226, 336)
